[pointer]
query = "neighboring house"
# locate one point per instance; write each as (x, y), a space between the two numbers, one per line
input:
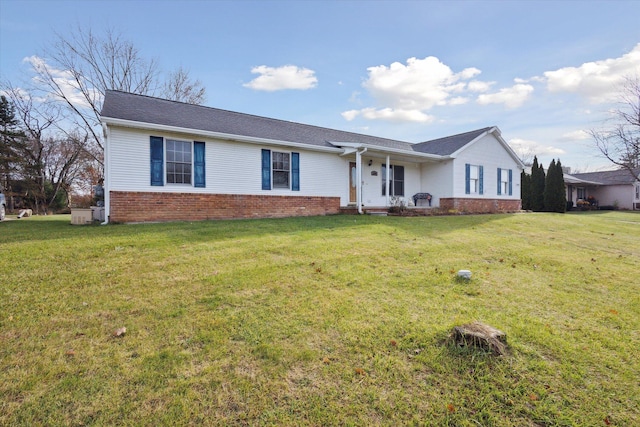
(618, 188)
(167, 160)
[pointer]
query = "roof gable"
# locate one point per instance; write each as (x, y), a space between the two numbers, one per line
(449, 144)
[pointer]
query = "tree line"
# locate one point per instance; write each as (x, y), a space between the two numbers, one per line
(51, 141)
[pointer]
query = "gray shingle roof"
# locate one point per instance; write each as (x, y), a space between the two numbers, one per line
(147, 109)
(613, 177)
(449, 144)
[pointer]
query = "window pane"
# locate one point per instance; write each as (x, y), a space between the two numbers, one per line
(398, 173)
(473, 170)
(398, 188)
(280, 179)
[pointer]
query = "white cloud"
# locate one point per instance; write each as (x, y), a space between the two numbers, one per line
(420, 84)
(597, 80)
(511, 97)
(64, 79)
(524, 148)
(404, 92)
(576, 135)
(350, 115)
(280, 78)
(478, 86)
(458, 100)
(389, 114)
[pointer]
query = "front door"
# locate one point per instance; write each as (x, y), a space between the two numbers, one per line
(352, 182)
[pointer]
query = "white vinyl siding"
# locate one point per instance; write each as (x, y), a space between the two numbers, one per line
(231, 167)
(489, 153)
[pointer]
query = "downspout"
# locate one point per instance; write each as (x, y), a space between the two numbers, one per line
(105, 184)
(388, 178)
(359, 178)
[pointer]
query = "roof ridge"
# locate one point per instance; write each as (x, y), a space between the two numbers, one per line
(260, 117)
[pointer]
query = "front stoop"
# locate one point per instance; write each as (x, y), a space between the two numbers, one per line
(384, 211)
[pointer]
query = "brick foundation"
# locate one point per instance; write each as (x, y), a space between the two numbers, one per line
(480, 205)
(141, 207)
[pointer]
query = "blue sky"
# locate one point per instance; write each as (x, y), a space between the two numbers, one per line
(542, 71)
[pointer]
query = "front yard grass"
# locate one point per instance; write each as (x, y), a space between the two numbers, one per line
(321, 321)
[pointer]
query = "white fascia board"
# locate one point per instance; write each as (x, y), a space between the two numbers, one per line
(376, 148)
(216, 135)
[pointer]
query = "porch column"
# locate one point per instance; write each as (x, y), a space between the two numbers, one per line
(359, 179)
(388, 178)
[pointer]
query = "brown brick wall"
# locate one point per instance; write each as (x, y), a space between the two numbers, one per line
(480, 205)
(140, 207)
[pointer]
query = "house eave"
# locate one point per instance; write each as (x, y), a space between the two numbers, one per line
(350, 147)
(111, 121)
(572, 180)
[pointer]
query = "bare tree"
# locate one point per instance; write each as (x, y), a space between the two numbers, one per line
(46, 163)
(180, 87)
(620, 142)
(526, 154)
(79, 68)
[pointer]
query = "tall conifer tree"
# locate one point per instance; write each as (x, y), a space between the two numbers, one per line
(525, 190)
(537, 186)
(555, 198)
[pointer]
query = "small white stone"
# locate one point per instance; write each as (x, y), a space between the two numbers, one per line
(464, 274)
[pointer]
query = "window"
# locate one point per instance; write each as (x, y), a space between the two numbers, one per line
(178, 162)
(280, 170)
(396, 180)
(504, 181)
(582, 193)
(473, 179)
(183, 161)
(637, 191)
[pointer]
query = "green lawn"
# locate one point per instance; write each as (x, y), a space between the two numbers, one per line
(321, 321)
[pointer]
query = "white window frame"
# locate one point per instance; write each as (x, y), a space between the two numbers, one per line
(275, 154)
(504, 182)
(168, 141)
(474, 182)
